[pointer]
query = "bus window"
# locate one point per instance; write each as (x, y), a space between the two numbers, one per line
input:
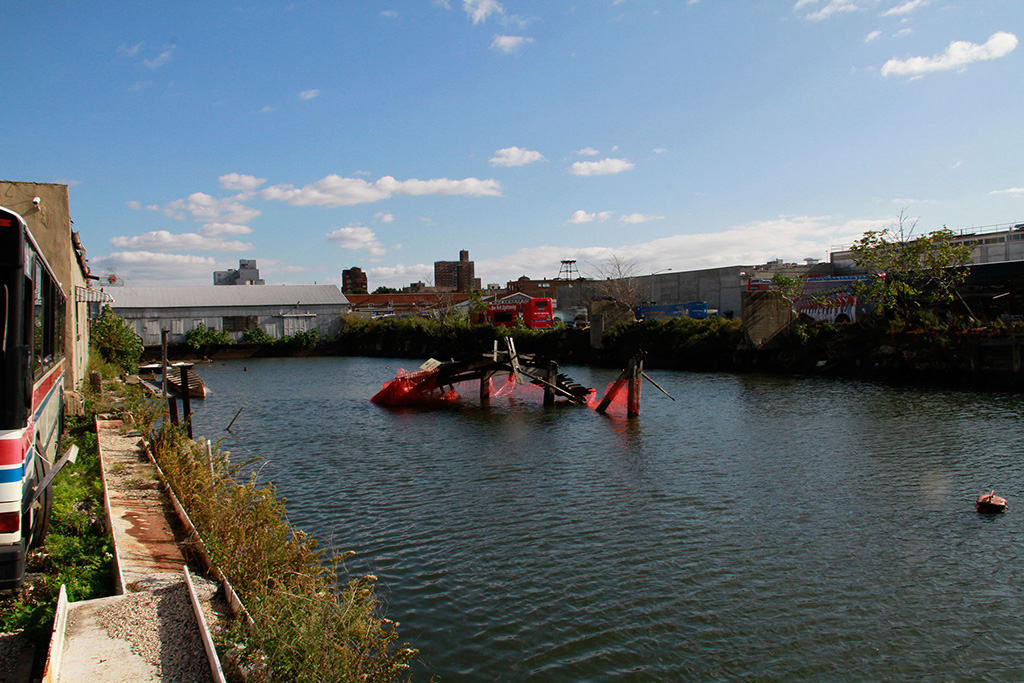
(36, 292)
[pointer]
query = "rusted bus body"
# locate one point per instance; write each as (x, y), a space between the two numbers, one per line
(32, 372)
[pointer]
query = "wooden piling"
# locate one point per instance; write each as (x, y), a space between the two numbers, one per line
(552, 379)
(172, 410)
(186, 402)
(485, 387)
(636, 380)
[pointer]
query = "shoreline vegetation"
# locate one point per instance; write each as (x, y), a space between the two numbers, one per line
(948, 351)
(310, 621)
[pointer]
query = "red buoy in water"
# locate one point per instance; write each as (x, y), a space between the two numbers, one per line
(991, 503)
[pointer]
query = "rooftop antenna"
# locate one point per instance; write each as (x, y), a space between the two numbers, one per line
(568, 270)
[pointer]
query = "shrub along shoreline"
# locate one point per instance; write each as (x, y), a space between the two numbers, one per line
(306, 627)
(932, 352)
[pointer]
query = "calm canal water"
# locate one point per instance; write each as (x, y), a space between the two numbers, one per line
(756, 529)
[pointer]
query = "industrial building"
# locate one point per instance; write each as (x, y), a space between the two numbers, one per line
(247, 274)
(278, 310)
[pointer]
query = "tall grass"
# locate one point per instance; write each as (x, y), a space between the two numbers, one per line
(305, 628)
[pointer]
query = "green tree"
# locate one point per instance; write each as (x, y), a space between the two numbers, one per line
(791, 287)
(116, 340)
(385, 290)
(910, 272)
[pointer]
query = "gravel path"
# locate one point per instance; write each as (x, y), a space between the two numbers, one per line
(154, 618)
(157, 619)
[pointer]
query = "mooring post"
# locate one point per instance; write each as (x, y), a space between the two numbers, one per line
(186, 403)
(552, 379)
(485, 388)
(172, 409)
(636, 380)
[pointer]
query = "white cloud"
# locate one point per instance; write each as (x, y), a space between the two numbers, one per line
(134, 205)
(384, 217)
(515, 156)
(582, 216)
(238, 181)
(356, 237)
(334, 190)
(602, 167)
(389, 13)
(129, 50)
(874, 35)
(309, 94)
(509, 44)
(401, 275)
(205, 208)
(479, 10)
(792, 238)
(217, 229)
(162, 240)
(905, 8)
(833, 7)
(160, 59)
(660, 150)
(142, 268)
(957, 56)
(1015, 191)
(588, 152)
(637, 218)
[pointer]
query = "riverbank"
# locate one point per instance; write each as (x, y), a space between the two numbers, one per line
(302, 625)
(975, 357)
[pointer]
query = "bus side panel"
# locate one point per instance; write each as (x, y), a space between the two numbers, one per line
(48, 401)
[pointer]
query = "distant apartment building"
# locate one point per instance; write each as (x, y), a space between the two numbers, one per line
(353, 281)
(533, 288)
(247, 274)
(456, 276)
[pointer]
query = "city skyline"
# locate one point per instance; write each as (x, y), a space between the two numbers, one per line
(391, 135)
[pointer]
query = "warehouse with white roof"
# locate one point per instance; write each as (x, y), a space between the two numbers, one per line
(278, 310)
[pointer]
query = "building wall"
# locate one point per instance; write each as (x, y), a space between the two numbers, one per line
(50, 225)
(277, 321)
(720, 287)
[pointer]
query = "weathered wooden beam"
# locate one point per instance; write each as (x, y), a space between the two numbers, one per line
(612, 391)
(636, 371)
(551, 383)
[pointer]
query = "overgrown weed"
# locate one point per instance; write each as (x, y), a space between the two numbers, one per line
(305, 628)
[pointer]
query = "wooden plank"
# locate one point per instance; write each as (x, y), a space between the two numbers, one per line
(55, 656)
(612, 391)
(204, 632)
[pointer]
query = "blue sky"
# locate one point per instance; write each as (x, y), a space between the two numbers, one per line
(315, 136)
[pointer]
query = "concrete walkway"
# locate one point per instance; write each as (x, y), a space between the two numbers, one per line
(145, 633)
